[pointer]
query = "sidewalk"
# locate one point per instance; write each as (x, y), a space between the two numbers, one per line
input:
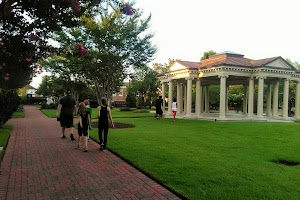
(38, 164)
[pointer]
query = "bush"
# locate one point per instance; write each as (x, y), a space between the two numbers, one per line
(20, 108)
(130, 100)
(125, 109)
(9, 102)
(50, 106)
(141, 111)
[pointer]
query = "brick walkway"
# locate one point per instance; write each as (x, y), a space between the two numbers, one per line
(40, 165)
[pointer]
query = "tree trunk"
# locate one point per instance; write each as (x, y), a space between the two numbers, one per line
(76, 97)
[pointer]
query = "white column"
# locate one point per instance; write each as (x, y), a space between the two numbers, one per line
(251, 97)
(202, 99)
(269, 100)
(163, 96)
(178, 97)
(181, 98)
(185, 97)
(245, 88)
(285, 107)
(260, 97)
(297, 99)
(198, 97)
(275, 99)
(189, 97)
(170, 97)
(227, 94)
(222, 96)
(207, 99)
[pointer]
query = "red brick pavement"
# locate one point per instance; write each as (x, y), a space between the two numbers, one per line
(40, 165)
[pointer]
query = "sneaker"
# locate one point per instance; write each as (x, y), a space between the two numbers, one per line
(77, 147)
(72, 137)
(88, 139)
(85, 150)
(63, 136)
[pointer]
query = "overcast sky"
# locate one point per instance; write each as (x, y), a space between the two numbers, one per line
(255, 28)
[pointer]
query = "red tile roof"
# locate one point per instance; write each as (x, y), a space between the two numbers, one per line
(190, 65)
(232, 59)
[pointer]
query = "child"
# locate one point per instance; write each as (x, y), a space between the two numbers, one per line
(88, 108)
(83, 125)
(174, 109)
(104, 115)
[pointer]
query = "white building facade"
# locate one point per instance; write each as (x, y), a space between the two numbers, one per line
(232, 69)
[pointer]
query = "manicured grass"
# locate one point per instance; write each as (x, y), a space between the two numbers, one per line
(50, 112)
(116, 113)
(18, 115)
(5, 131)
(213, 160)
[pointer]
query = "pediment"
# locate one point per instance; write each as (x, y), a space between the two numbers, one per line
(177, 66)
(280, 63)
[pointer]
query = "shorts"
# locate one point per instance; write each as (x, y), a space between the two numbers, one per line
(174, 112)
(82, 131)
(66, 121)
(159, 111)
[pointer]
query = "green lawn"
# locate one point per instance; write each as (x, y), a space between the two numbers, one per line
(213, 160)
(50, 112)
(18, 115)
(116, 113)
(5, 131)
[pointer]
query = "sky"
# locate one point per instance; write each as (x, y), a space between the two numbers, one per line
(255, 28)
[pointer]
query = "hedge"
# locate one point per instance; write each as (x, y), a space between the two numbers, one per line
(9, 102)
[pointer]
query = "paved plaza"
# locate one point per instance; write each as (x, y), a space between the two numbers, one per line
(38, 164)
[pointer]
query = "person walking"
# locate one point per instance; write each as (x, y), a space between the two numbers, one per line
(88, 108)
(174, 109)
(104, 114)
(65, 111)
(83, 125)
(159, 107)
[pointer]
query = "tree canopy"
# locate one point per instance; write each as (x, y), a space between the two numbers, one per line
(26, 24)
(207, 54)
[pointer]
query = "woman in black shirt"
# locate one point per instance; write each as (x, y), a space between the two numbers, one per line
(104, 115)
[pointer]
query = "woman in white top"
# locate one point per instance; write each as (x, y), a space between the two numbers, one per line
(174, 109)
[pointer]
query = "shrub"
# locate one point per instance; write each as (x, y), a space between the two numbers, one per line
(130, 100)
(46, 106)
(141, 111)
(20, 108)
(125, 109)
(9, 102)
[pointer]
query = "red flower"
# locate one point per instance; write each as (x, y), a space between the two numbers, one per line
(127, 9)
(82, 52)
(28, 60)
(32, 36)
(7, 74)
(76, 5)
(6, 78)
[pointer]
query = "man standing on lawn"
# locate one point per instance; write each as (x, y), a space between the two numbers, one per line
(159, 107)
(65, 110)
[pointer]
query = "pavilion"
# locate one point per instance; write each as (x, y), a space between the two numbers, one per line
(232, 69)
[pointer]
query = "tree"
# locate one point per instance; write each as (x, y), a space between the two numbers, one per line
(145, 83)
(131, 98)
(120, 44)
(294, 64)
(162, 68)
(27, 24)
(208, 54)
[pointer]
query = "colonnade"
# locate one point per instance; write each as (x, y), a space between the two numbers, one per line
(184, 97)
